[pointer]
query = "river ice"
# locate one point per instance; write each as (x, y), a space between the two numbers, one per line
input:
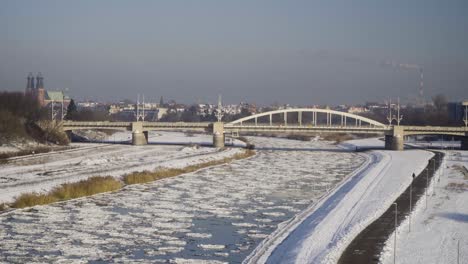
(214, 215)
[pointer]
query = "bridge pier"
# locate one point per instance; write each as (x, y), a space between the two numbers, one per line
(139, 137)
(394, 139)
(464, 143)
(218, 134)
(69, 135)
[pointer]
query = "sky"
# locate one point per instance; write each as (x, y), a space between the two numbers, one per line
(300, 52)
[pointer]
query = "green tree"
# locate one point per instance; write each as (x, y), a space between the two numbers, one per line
(71, 110)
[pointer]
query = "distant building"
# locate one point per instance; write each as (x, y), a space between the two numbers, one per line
(456, 111)
(55, 97)
(35, 88)
(357, 109)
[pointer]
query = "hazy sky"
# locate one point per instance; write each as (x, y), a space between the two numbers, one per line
(297, 52)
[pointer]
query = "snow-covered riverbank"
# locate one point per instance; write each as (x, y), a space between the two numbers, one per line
(438, 231)
(322, 233)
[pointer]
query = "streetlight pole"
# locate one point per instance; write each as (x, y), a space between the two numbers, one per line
(410, 201)
(427, 183)
(395, 240)
(465, 120)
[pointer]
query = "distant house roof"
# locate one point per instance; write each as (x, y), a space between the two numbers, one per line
(56, 96)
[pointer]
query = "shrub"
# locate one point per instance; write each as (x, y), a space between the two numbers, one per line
(52, 132)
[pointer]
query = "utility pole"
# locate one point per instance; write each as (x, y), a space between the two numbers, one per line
(219, 110)
(398, 117)
(140, 113)
(389, 118)
(465, 119)
(395, 239)
(410, 201)
(427, 180)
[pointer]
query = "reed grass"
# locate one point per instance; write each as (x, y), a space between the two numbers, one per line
(32, 199)
(67, 191)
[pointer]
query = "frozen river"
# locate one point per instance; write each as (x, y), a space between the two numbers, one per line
(214, 215)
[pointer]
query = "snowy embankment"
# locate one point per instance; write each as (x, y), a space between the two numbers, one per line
(323, 231)
(41, 173)
(440, 231)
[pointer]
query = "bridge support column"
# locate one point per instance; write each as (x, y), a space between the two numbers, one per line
(69, 135)
(139, 137)
(394, 139)
(464, 143)
(218, 134)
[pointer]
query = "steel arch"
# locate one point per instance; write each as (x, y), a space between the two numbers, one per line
(310, 110)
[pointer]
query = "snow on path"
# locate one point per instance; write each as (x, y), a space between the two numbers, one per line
(43, 172)
(322, 234)
(436, 231)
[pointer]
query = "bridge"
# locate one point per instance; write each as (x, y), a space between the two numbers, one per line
(317, 121)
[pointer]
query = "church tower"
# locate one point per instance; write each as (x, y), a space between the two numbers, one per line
(40, 92)
(30, 85)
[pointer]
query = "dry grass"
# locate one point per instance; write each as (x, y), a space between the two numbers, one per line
(69, 191)
(3, 207)
(31, 199)
(148, 176)
(86, 187)
(95, 185)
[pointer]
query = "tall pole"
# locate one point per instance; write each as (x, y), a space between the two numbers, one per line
(61, 113)
(52, 110)
(395, 240)
(434, 176)
(143, 115)
(138, 108)
(465, 120)
(410, 201)
(219, 110)
(399, 117)
(458, 251)
(389, 118)
(427, 183)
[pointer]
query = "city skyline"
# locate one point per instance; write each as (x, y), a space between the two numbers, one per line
(299, 52)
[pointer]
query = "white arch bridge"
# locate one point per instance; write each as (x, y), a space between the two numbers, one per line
(298, 120)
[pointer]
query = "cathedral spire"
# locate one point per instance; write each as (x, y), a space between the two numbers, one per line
(39, 81)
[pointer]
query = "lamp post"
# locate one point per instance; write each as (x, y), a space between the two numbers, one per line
(410, 201)
(427, 183)
(395, 240)
(465, 120)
